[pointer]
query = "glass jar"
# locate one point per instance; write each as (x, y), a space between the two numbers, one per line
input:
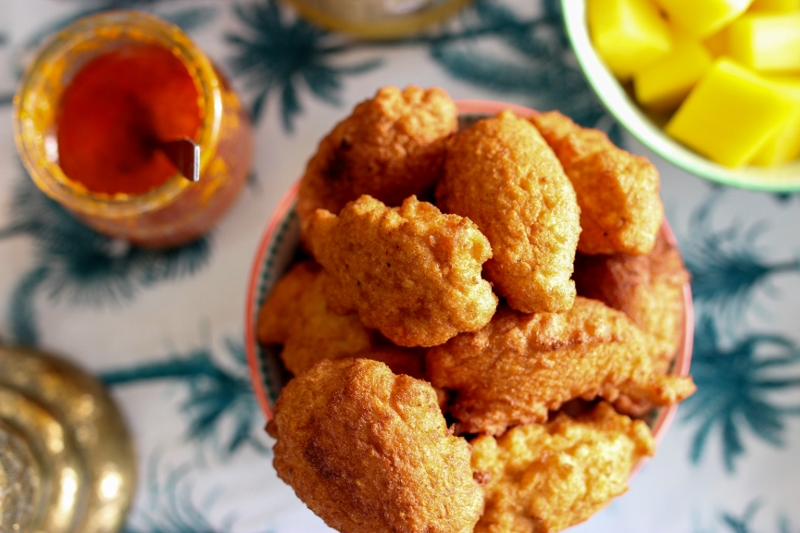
(376, 19)
(176, 212)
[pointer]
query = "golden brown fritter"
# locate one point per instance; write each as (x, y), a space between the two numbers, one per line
(411, 272)
(520, 366)
(647, 288)
(501, 174)
(408, 361)
(369, 452)
(277, 312)
(617, 191)
(546, 478)
(311, 331)
(389, 148)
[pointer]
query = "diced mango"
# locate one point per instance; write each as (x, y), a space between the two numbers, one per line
(766, 42)
(663, 85)
(730, 114)
(784, 145)
(628, 34)
(775, 6)
(701, 18)
(717, 43)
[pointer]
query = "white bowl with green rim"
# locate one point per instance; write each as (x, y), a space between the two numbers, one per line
(780, 179)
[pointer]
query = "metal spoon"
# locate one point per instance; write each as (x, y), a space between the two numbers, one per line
(185, 155)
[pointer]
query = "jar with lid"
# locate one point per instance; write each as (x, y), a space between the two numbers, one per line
(54, 133)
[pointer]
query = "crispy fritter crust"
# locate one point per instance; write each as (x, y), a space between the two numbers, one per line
(277, 312)
(369, 452)
(501, 174)
(546, 478)
(520, 366)
(617, 191)
(389, 148)
(298, 312)
(317, 333)
(647, 288)
(410, 272)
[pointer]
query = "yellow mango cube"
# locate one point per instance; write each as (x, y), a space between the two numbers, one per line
(730, 114)
(663, 85)
(701, 18)
(775, 6)
(784, 145)
(766, 42)
(628, 34)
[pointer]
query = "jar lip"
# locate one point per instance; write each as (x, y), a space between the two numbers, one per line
(125, 26)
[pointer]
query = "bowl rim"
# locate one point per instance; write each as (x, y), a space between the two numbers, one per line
(286, 206)
(780, 179)
(252, 303)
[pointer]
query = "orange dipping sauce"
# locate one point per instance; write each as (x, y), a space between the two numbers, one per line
(116, 111)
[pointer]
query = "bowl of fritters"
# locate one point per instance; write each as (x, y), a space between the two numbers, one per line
(458, 296)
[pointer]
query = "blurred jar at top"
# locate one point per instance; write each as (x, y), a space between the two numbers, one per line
(376, 19)
(92, 113)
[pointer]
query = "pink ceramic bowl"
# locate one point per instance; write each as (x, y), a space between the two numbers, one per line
(279, 246)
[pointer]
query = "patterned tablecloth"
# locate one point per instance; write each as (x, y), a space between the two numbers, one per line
(164, 329)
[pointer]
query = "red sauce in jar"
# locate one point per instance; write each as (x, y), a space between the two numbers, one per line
(114, 113)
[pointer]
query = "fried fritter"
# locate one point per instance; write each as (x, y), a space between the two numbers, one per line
(370, 452)
(647, 288)
(277, 312)
(503, 176)
(617, 191)
(411, 272)
(519, 366)
(392, 146)
(297, 315)
(546, 478)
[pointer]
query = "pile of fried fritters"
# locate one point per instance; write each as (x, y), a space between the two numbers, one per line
(484, 317)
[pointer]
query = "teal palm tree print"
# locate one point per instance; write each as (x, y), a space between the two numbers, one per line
(80, 265)
(738, 389)
(278, 54)
(740, 378)
(742, 523)
(221, 406)
(171, 498)
(170, 504)
(725, 264)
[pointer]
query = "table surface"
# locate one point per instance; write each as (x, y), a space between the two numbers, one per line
(165, 330)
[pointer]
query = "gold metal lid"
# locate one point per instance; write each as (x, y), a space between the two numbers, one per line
(66, 459)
